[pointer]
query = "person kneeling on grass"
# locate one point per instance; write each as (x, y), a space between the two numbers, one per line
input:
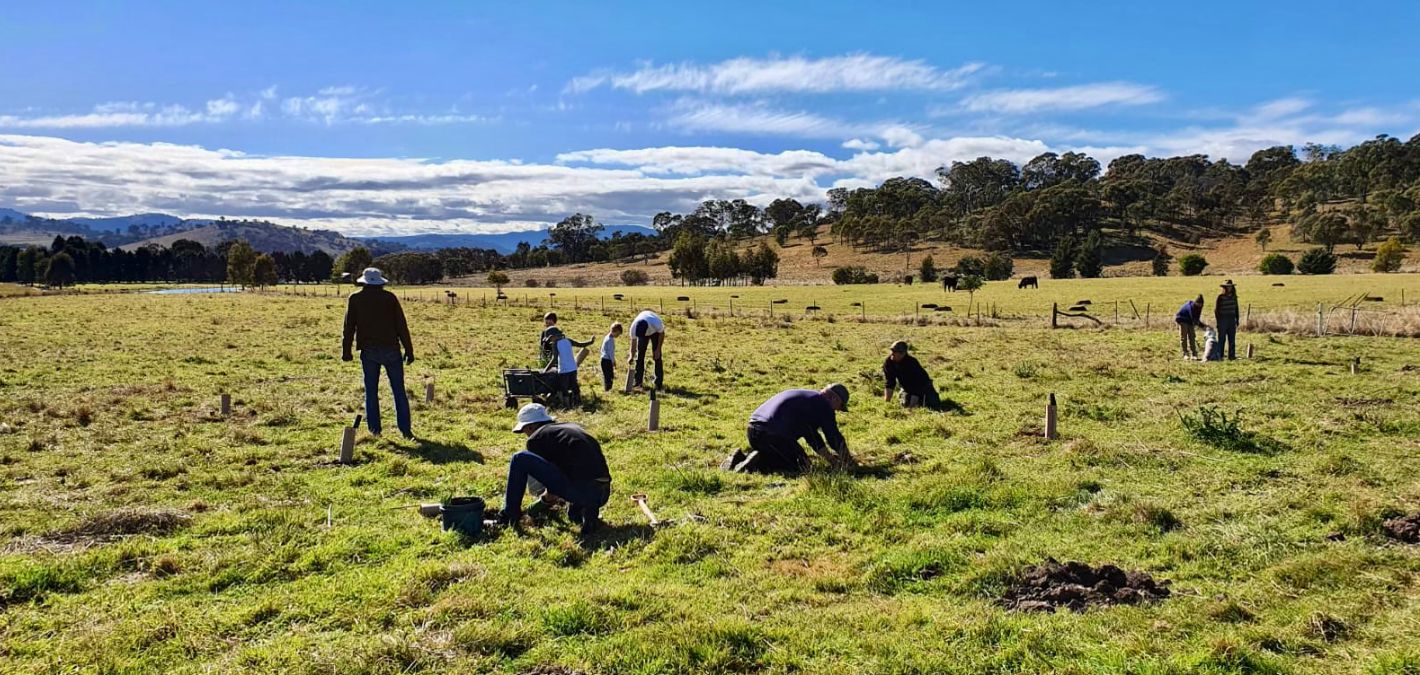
(776, 427)
(903, 369)
(565, 459)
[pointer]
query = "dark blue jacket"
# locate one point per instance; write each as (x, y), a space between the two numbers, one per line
(799, 413)
(1191, 312)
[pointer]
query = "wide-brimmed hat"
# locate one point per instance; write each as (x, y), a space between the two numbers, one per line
(532, 413)
(841, 392)
(899, 346)
(1227, 284)
(372, 277)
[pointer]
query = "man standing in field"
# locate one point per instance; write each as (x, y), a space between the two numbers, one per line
(901, 368)
(776, 427)
(566, 460)
(1189, 317)
(374, 321)
(647, 332)
(1225, 312)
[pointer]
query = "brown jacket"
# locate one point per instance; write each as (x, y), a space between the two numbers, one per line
(373, 318)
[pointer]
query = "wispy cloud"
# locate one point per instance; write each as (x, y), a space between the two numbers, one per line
(761, 119)
(847, 73)
(332, 105)
(1078, 97)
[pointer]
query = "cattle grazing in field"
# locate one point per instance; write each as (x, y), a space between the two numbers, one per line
(949, 283)
(1029, 282)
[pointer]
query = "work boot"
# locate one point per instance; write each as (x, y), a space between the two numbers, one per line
(730, 462)
(744, 466)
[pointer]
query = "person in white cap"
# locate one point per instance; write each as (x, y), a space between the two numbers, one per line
(375, 323)
(564, 458)
(648, 332)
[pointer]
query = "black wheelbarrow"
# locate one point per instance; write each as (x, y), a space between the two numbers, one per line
(537, 386)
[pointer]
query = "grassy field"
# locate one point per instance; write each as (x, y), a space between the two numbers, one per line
(1154, 298)
(144, 532)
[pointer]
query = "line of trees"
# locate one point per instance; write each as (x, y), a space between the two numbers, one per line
(71, 260)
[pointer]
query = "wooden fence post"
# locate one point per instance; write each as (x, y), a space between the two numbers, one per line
(1054, 315)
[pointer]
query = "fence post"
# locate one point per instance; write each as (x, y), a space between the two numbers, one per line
(1147, 306)
(1353, 320)
(1116, 312)
(1054, 315)
(1320, 319)
(1247, 322)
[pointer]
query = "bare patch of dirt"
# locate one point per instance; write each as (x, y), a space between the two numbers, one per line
(1358, 402)
(1078, 586)
(1404, 528)
(106, 527)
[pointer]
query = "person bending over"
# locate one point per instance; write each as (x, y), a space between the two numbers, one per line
(647, 332)
(565, 459)
(904, 370)
(776, 427)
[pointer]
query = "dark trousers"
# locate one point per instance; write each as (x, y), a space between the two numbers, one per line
(1228, 337)
(585, 498)
(389, 358)
(608, 370)
(775, 454)
(927, 398)
(571, 388)
(653, 345)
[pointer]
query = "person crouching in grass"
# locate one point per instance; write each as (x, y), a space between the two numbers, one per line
(563, 457)
(903, 369)
(609, 355)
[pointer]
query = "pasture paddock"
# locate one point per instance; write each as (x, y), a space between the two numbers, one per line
(144, 531)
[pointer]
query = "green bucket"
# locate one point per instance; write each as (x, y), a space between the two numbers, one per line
(464, 515)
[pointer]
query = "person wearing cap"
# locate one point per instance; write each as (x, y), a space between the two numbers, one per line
(1188, 318)
(647, 332)
(1225, 313)
(565, 459)
(902, 369)
(375, 323)
(776, 427)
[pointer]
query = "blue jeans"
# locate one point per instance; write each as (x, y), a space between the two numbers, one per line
(372, 359)
(584, 498)
(1228, 337)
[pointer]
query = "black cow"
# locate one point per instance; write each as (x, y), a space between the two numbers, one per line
(949, 283)
(1029, 282)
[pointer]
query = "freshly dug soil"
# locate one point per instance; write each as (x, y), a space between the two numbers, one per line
(1404, 528)
(1077, 586)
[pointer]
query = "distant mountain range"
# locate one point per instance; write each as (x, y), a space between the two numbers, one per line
(130, 232)
(504, 243)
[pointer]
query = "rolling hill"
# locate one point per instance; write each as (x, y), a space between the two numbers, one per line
(504, 243)
(266, 237)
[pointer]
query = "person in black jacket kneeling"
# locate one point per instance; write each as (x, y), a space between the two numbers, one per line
(565, 459)
(902, 369)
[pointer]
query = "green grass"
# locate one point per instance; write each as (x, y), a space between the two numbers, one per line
(146, 533)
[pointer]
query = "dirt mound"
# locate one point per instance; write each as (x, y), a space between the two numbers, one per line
(1404, 528)
(124, 522)
(1077, 586)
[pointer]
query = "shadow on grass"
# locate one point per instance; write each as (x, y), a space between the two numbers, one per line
(880, 471)
(682, 392)
(436, 452)
(610, 536)
(951, 407)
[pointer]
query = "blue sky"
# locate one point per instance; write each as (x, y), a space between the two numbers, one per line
(382, 118)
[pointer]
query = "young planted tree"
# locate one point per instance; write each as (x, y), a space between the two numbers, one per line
(498, 280)
(970, 283)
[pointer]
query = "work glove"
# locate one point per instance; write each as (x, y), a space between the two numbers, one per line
(347, 356)
(409, 358)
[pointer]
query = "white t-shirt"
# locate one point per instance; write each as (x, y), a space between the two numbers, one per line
(608, 348)
(653, 323)
(566, 361)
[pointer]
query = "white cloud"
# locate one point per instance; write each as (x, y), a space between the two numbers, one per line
(1078, 97)
(705, 160)
(331, 105)
(851, 72)
(860, 144)
(1282, 107)
(757, 120)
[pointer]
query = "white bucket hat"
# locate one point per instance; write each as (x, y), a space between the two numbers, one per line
(532, 413)
(372, 277)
